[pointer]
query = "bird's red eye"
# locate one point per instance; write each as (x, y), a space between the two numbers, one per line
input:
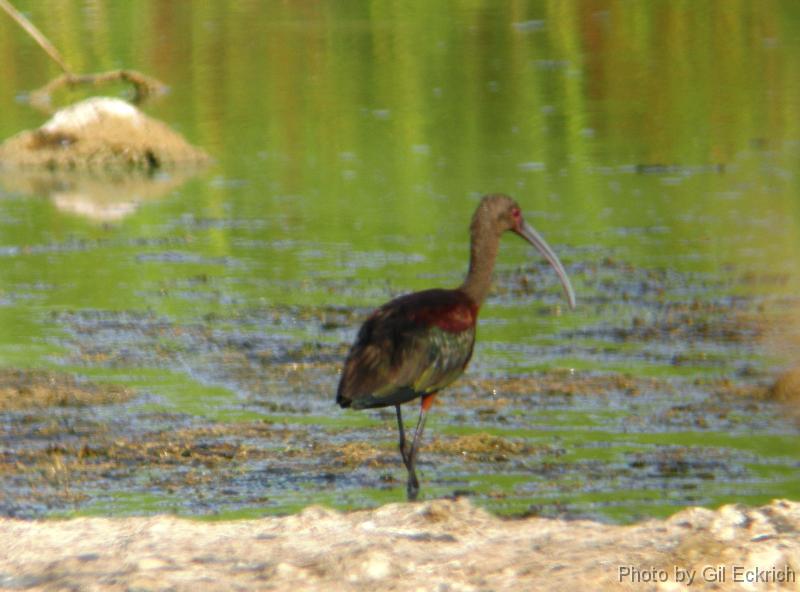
(516, 219)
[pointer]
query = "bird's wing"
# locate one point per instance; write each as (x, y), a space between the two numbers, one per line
(410, 347)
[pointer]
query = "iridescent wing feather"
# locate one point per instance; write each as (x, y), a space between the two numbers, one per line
(412, 346)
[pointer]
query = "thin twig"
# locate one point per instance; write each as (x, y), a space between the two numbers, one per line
(36, 34)
(144, 87)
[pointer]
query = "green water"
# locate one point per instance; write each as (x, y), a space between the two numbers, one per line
(654, 144)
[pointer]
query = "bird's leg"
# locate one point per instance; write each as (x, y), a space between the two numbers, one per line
(413, 484)
(403, 444)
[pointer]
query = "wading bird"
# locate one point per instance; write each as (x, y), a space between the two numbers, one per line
(417, 344)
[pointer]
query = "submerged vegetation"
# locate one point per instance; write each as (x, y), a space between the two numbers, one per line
(539, 442)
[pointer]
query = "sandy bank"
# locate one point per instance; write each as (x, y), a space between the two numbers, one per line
(438, 545)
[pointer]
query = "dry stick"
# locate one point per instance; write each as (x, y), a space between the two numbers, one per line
(36, 34)
(144, 86)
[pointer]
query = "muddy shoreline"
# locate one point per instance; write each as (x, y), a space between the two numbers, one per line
(231, 415)
(73, 446)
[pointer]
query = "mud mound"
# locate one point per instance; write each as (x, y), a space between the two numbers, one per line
(22, 389)
(439, 545)
(100, 133)
(787, 386)
(786, 389)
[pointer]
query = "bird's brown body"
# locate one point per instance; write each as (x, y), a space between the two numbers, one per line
(413, 346)
(417, 344)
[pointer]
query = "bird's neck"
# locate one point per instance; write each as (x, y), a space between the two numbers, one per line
(483, 252)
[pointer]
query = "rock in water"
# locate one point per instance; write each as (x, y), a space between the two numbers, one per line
(100, 133)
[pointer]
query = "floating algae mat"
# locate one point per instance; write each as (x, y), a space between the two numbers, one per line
(231, 416)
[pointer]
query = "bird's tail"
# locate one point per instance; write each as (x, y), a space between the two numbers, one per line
(343, 401)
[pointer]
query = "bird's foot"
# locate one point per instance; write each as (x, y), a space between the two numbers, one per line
(412, 492)
(412, 489)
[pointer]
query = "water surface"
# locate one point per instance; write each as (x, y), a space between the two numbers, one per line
(655, 146)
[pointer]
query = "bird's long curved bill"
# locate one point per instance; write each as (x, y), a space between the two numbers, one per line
(537, 241)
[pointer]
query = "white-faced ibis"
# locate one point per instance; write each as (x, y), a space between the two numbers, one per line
(417, 344)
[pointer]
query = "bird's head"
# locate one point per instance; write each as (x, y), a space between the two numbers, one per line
(498, 213)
